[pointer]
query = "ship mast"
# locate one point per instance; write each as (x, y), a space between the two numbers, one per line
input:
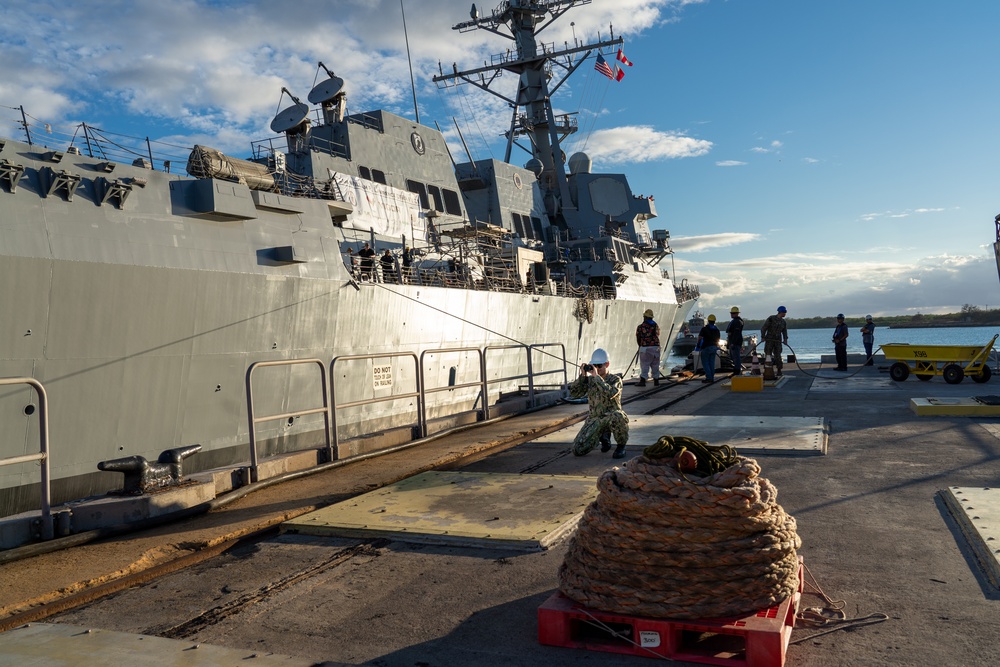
(533, 63)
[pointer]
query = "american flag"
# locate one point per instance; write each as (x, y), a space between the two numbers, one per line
(603, 67)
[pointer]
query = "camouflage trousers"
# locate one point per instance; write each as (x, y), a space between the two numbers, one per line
(772, 348)
(592, 430)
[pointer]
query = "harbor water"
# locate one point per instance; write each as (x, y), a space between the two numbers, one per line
(809, 345)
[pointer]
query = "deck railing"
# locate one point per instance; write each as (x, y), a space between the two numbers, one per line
(45, 525)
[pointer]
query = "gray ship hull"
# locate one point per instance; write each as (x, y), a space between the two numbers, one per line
(142, 299)
(141, 325)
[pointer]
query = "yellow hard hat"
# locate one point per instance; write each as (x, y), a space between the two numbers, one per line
(711, 318)
(734, 309)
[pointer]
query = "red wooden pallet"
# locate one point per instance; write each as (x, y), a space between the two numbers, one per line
(757, 640)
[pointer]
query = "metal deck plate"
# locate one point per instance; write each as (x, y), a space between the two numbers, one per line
(525, 512)
(749, 435)
(960, 406)
(834, 381)
(977, 511)
(58, 645)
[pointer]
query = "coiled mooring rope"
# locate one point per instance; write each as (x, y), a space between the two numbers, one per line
(662, 544)
(710, 459)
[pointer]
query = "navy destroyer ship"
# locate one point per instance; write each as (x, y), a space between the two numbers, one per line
(141, 297)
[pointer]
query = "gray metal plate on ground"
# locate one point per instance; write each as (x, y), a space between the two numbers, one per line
(838, 381)
(977, 511)
(525, 512)
(749, 435)
(59, 645)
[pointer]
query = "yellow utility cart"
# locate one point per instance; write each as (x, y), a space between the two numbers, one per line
(953, 362)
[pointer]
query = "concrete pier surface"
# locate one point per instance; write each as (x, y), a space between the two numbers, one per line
(896, 512)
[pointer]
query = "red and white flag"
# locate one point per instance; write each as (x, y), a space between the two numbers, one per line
(619, 73)
(622, 58)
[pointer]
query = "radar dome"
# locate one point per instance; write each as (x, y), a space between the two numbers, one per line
(579, 163)
(534, 165)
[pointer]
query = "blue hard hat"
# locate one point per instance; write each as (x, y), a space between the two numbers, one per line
(840, 316)
(782, 309)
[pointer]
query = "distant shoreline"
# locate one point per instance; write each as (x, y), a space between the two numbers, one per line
(947, 325)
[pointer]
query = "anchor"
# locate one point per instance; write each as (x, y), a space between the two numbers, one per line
(141, 476)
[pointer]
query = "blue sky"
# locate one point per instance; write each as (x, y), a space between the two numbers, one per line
(827, 156)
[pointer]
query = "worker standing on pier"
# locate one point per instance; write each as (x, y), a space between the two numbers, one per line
(604, 395)
(868, 339)
(734, 339)
(774, 333)
(647, 335)
(840, 335)
(708, 345)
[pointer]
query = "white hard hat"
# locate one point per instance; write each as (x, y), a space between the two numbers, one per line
(599, 357)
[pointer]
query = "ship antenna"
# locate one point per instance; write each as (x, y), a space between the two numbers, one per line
(24, 124)
(413, 86)
(464, 145)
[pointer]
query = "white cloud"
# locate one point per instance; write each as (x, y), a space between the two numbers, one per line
(772, 147)
(816, 284)
(205, 67)
(868, 217)
(642, 143)
(710, 241)
(729, 163)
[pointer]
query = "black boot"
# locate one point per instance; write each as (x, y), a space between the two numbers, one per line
(605, 443)
(641, 382)
(619, 452)
(656, 382)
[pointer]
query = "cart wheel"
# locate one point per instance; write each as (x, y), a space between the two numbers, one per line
(924, 378)
(899, 371)
(983, 375)
(953, 373)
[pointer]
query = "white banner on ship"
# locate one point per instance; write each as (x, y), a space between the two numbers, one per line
(383, 209)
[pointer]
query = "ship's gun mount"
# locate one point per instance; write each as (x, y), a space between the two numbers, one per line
(142, 476)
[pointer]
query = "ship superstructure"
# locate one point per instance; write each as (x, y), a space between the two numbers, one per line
(140, 297)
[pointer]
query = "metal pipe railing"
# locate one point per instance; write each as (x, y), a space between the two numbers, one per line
(253, 421)
(331, 406)
(47, 531)
(481, 383)
(418, 394)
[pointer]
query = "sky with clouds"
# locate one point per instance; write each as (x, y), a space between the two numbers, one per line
(826, 156)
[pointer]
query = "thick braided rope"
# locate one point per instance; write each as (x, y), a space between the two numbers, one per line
(662, 544)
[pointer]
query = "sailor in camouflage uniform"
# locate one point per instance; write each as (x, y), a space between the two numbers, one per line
(604, 394)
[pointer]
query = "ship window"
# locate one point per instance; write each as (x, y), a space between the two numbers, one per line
(451, 204)
(528, 229)
(537, 224)
(378, 176)
(419, 190)
(365, 173)
(435, 194)
(518, 226)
